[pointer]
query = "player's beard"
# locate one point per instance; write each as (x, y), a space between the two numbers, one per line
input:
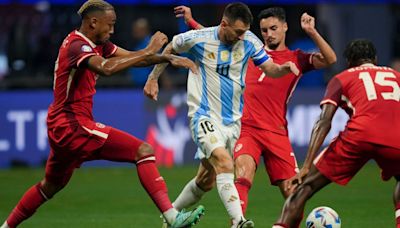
(273, 46)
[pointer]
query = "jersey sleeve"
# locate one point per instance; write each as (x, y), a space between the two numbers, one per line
(78, 51)
(258, 53)
(109, 49)
(333, 93)
(305, 61)
(185, 41)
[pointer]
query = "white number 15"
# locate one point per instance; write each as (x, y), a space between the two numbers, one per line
(380, 79)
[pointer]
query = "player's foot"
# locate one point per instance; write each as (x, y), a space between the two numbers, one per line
(164, 222)
(244, 223)
(188, 219)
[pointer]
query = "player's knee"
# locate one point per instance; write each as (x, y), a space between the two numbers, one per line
(245, 167)
(49, 189)
(224, 165)
(144, 151)
(206, 182)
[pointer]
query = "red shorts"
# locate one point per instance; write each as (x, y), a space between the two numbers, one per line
(342, 159)
(71, 145)
(279, 159)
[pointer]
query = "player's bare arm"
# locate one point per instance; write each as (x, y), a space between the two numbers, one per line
(327, 56)
(186, 13)
(151, 87)
(274, 70)
(318, 135)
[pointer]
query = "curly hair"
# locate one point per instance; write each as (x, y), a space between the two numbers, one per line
(360, 51)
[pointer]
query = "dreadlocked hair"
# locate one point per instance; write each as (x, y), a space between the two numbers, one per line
(92, 6)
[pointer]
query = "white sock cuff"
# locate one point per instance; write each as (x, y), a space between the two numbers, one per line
(5, 225)
(223, 177)
(277, 226)
(397, 213)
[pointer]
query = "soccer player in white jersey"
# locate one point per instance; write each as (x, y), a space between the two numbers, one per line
(215, 100)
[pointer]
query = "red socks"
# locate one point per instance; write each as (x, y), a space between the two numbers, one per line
(243, 186)
(26, 207)
(153, 182)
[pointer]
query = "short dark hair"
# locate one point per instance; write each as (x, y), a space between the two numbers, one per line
(93, 6)
(360, 51)
(238, 11)
(277, 12)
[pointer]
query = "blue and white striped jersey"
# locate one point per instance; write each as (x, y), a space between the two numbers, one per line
(217, 92)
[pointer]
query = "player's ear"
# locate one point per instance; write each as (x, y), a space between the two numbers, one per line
(224, 22)
(285, 27)
(93, 22)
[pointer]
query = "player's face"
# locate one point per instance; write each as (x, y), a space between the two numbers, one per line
(273, 31)
(105, 26)
(232, 32)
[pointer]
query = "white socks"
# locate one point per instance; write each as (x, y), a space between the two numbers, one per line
(169, 215)
(190, 195)
(229, 196)
(5, 225)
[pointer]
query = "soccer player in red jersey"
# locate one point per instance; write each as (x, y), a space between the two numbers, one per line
(75, 137)
(264, 125)
(369, 94)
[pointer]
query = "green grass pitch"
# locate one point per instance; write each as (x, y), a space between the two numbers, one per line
(113, 197)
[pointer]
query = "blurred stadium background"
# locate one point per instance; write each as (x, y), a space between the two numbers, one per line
(31, 32)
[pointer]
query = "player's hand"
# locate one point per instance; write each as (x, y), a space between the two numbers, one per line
(151, 89)
(293, 182)
(183, 11)
(293, 68)
(178, 61)
(307, 23)
(158, 40)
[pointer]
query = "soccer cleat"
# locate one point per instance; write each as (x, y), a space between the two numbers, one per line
(188, 219)
(244, 224)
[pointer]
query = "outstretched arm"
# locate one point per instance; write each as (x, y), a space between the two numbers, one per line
(327, 56)
(318, 135)
(123, 59)
(186, 13)
(274, 70)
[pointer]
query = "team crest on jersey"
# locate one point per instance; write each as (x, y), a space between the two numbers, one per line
(237, 55)
(224, 55)
(86, 48)
(100, 125)
(238, 147)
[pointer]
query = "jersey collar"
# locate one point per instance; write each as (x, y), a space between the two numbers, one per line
(85, 38)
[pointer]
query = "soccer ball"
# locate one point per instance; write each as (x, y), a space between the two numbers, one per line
(323, 217)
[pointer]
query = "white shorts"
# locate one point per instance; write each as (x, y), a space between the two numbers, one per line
(208, 135)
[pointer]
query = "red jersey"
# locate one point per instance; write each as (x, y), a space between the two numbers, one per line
(266, 98)
(74, 86)
(370, 95)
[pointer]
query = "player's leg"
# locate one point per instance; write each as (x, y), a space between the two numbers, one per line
(294, 205)
(245, 169)
(121, 146)
(59, 170)
(388, 159)
(197, 187)
(222, 162)
(246, 154)
(396, 200)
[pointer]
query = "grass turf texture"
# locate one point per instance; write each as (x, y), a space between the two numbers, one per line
(113, 197)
